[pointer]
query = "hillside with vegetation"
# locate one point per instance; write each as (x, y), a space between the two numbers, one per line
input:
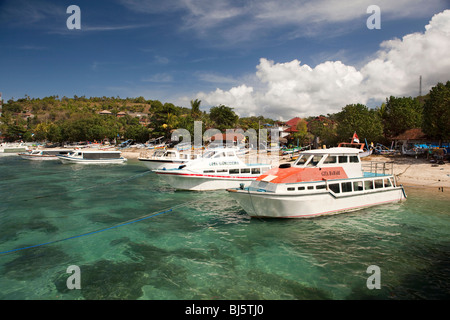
(75, 119)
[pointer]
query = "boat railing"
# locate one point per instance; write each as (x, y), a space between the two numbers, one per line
(378, 168)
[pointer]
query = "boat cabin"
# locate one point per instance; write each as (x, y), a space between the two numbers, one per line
(96, 155)
(346, 159)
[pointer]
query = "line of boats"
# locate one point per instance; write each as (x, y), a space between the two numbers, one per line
(320, 182)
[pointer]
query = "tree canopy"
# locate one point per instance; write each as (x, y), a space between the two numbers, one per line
(436, 112)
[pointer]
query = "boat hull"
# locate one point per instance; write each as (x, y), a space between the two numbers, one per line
(66, 160)
(160, 164)
(195, 182)
(267, 205)
(37, 157)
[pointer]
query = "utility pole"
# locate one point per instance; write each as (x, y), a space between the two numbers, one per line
(420, 86)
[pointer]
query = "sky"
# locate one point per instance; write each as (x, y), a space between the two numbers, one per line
(276, 58)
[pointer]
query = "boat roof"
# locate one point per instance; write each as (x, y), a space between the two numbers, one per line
(98, 151)
(336, 150)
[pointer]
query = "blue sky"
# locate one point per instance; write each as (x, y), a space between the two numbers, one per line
(270, 57)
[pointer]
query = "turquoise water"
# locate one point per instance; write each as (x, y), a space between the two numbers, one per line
(206, 247)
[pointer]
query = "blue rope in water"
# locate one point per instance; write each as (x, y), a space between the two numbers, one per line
(88, 233)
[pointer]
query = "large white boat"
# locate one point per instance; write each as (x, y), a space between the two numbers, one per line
(41, 155)
(320, 182)
(219, 168)
(93, 157)
(168, 159)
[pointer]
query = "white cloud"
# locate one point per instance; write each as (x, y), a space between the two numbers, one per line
(239, 22)
(289, 89)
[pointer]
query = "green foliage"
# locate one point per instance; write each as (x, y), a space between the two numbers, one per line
(223, 117)
(400, 114)
(325, 128)
(436, 112)
(359, 118)
(195, 109)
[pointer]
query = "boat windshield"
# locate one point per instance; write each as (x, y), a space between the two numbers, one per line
(209, 154)
(309, 160)
(158, 153)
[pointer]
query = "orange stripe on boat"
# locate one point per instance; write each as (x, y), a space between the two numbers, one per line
(292, 175)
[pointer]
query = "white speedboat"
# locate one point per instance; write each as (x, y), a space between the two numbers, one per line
(219, 168)
(320, 182)
(12, 149)
(93, 157)
(168, 159)
(41, 155)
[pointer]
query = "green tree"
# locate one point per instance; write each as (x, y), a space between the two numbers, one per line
(436, 112)
(195, 109)
(401, 114)
(325, 128)
(300, 135)
(358, 118)
(224, 117)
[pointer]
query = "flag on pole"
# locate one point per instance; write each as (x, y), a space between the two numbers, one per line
(355, 138)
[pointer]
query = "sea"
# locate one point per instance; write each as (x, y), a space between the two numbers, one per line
(110, 232)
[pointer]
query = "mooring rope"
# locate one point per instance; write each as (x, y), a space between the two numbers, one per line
(141, 218)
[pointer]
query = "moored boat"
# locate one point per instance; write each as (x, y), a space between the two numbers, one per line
(168, 159)
(41, 155)
(355, 143)
(93, 157)
(320, 182)
(218, 168)
(12, 149)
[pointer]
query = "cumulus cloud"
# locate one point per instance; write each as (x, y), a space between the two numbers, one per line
(288, 89)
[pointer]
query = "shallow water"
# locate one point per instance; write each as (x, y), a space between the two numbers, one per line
(206, 247)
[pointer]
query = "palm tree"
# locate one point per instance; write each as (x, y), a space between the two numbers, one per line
(195, 109)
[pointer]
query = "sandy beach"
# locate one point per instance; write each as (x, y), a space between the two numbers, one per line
(409, 171)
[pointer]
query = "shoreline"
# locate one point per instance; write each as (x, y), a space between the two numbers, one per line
(408, 170)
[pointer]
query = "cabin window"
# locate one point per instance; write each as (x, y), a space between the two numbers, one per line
(300, 188)
(234, 171)
(391, 182)
(358, 186)
(346, 186)
(208, 171)
(334, 187)
(315, 160)
(220, 155)
(378, 184)
(343, 159)
(321, 186)
(256, 171)
(368, 184)
(246, 170)
(330, 159)
(310, 187)
(291, 189)
(222, 170)
(230, 154)
(387, 183)
(354, 159)
(301, 160)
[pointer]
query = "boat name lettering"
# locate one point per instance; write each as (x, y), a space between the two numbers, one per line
(331, 173)
(223, 163)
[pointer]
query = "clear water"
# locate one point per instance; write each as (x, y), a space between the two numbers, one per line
(207, 247)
